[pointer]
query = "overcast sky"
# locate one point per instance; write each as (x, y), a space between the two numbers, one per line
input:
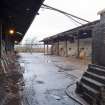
(49, 22)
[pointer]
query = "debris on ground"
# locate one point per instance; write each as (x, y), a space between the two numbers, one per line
(11, 79)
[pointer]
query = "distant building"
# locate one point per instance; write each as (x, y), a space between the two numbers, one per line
(72, 42)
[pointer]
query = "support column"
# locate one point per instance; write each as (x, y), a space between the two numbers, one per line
(44, 47)
(58, 48)
(98, 44)
(47, 48)
(0, 37)
(78, 45)
(66, 48)
(52, 49)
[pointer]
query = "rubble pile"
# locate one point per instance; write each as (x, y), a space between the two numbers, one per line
(11, 78)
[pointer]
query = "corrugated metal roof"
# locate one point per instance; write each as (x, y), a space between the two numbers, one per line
(71, 32)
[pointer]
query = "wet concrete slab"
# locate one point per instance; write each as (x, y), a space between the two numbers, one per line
(44, 83)
(72, 94)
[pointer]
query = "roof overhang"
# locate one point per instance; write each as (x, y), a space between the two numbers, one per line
(80, 32)
(19, 13)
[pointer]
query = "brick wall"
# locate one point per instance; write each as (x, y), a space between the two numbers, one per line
(72, 47)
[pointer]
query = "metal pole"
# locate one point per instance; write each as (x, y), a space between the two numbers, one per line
(52, 8)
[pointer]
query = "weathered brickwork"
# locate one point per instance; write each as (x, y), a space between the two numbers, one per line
(71, 50)
(99, 43)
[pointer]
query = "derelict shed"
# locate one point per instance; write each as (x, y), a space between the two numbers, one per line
(69, 43)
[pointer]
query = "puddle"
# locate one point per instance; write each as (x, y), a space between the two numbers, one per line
(59, 97)
(40, 82)
(56, 97)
